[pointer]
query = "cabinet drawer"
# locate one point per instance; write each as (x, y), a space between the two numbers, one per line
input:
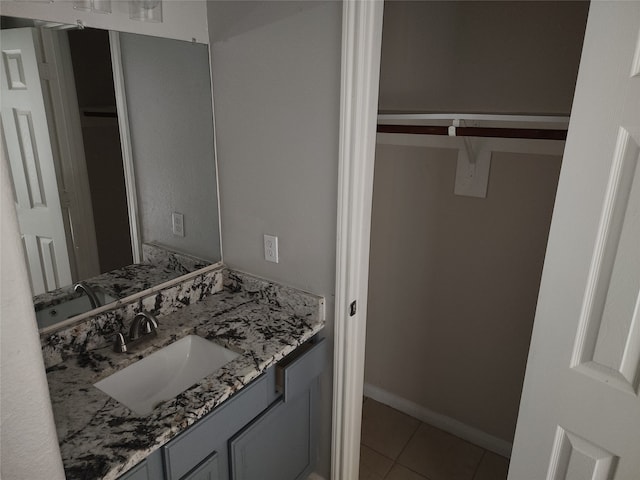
(210, 434)
(298, 370)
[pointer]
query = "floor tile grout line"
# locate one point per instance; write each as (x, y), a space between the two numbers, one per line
(484, 453)
(412, 470)
(408, 440)
(407, 443)
(396, 461)
(382, 455)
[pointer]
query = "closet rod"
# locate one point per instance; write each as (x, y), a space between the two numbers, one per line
(529, 133)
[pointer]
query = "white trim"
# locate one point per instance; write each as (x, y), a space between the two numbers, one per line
(215, 143)
(125, 142)
(361, 44)
(564, 120)
(510, 145)
(443, 422)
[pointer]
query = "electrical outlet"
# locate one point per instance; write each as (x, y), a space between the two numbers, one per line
(177, 224)
(271, 248)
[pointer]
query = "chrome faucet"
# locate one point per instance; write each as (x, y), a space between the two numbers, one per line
(84, 287)
(143, 327)
(143, 324)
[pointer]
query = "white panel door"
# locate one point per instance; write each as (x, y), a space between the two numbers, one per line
(580, 411)
(27, 145)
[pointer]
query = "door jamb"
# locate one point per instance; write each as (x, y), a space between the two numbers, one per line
(361, 45)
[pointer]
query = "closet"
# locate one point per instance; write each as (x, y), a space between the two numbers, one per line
(486, 88)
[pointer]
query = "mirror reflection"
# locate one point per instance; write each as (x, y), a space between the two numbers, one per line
(109, 138)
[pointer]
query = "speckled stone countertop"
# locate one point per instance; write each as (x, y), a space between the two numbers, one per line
(118, 283)
(101, 438)
(159, 265)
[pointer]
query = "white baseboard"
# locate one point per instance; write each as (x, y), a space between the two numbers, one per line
(448, 424)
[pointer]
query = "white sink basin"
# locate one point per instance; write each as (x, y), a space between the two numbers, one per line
(164, 374)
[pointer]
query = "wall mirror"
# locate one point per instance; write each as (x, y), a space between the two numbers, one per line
(109, 138)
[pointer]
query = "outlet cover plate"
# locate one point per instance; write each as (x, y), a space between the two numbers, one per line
(177, 224)
(271, 248)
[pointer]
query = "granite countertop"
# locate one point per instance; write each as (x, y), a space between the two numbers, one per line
(119, 283)
(101, 438)
(160, 265)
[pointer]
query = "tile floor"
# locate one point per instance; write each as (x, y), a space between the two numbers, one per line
(396, 446)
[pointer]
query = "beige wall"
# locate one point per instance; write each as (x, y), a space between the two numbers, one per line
(507, 57)
(276, 87)
(454, 280)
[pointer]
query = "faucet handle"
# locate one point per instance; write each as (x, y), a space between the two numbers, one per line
(119, 345)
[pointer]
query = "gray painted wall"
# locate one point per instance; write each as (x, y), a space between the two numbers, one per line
(276, 84)
(168, 92)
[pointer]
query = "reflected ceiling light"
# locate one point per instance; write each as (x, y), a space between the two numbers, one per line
(146, 10)
(97, 6)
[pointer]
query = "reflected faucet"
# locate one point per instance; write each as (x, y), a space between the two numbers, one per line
(84, 287)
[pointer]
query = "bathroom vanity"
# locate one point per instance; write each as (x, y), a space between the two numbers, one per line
(266, 431)
(252, 418)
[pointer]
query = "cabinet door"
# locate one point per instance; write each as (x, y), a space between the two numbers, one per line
(277, 445)
(211, 433)
(207, 470)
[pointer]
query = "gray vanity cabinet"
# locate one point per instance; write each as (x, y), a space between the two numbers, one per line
(207, 470)
(184, 454)
(280, 443)
(267, 431)
(139, 472)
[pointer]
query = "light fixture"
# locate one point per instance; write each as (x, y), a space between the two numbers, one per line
(146, 10)
(97, 6)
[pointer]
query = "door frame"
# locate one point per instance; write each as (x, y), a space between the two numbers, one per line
(360, 75)
(361, 42)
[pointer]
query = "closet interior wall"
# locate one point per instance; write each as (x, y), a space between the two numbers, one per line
(454, 280)
(91, 58)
